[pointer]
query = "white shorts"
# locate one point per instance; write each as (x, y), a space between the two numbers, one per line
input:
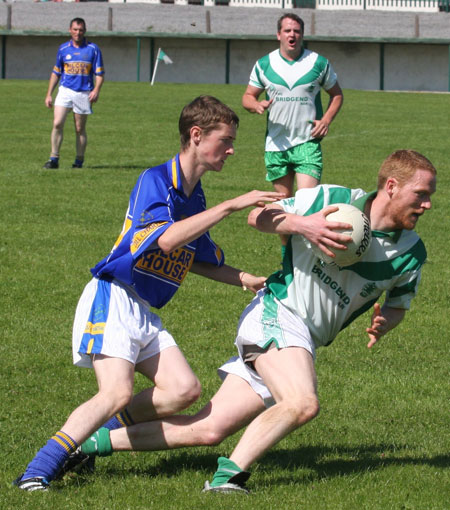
(76, 101)
(258, 328)
(111, 319)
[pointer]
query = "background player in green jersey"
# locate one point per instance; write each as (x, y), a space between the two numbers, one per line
(292, 78)
(271, 386)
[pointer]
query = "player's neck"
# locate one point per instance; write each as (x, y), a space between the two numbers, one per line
(190, 172)
(291, 55)
(378, 212)
(77, 44)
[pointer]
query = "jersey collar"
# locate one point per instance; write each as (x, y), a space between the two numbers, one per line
(82, 45)
(291, 62)
(173, 167)
(361, 202)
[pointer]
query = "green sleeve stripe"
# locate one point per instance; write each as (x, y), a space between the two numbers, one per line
(336, 196)
(340, 195)
(411, 260)
(317, 205)
(409, 288)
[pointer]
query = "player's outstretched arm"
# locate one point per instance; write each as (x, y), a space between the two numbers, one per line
(230, 275)
(384, 318)
(183, 232)
(273, 219)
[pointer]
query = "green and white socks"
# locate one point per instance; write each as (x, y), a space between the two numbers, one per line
(226, 470)
(98, 444)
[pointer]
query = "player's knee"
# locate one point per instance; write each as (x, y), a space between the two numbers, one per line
(80, 131)
(213, 436)
(188, 392)
(311, 409)
(117, 399)
(302, 410)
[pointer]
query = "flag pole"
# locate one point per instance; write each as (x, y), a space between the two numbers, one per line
(156, 66)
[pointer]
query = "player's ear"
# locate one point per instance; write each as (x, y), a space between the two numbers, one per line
(196, 134)
(391, 185)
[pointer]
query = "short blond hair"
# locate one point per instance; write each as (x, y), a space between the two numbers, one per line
(402, 165)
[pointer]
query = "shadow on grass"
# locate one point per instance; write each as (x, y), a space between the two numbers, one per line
(323, 461)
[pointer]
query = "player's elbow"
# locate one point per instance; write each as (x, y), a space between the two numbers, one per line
(253, 216)
(166, 244)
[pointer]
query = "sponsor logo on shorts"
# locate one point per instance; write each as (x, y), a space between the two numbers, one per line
(95, 329)
(334, 286)
(173, 267)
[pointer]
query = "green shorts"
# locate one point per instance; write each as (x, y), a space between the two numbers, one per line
(305, 158)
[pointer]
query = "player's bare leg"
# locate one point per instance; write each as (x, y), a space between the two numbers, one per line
(306, 181)
(290, 376)
(176, 386)
(59, 119)
(233, 406)
(115, 379)
(80, 135)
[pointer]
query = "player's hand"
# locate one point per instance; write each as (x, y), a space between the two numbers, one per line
(322, 233)
(252, 282)
(48, 101)
(93, 96)
(255, 198)
(378, 327)
(262, 106)
(320, 128)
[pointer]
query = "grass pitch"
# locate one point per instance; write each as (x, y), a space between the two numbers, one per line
(381, 440)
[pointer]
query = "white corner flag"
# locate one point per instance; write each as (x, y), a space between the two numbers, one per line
(161, 56)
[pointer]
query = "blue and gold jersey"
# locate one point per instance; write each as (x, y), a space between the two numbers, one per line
(156, 202)
(77, 66)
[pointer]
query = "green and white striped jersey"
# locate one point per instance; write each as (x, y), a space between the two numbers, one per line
(294, 87)
(327, 297)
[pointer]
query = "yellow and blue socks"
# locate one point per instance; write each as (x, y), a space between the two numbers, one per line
(50, 458)
(119, 420)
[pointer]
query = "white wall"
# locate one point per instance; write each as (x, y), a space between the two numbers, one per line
(197, 60)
